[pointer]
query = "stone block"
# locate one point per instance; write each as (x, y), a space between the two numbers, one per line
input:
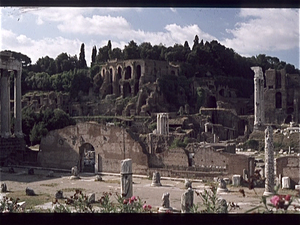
(236, 180)
(91, 198)
(3, 187)
(286, 183)
(59, 195)
(297, 187)
(29, 192)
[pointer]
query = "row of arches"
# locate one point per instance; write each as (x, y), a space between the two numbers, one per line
(118, 81)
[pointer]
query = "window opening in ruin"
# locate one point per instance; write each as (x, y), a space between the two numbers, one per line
(278, 80)
(110, 75)
(221, 92)
(138, 72)
(128, 73)
(290, 110)
(271, 87)
(103, 73)
(136, 88)
(212, 102)
(87, 158)
(126, 90)
(288, 119)
(278, 100)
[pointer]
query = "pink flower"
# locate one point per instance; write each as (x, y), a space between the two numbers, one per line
(275, 200)
(145, 206)
(125, 201)
(149, 207)
(287, 197)
(133, 198)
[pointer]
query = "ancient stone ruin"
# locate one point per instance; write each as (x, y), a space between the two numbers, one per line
(269, 162)
(126, 178)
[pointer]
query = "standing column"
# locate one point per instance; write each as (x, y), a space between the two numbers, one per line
(269, 162)
(18, 104)
(5, 104)
(258, 97)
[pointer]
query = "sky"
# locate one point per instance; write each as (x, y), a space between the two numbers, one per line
(38, 32)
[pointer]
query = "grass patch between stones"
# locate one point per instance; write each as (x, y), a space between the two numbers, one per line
(50, 185)
(31, 201)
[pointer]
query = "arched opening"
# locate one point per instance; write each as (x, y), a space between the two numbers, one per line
(288, 119)
(126, 90)
(221, 92)
(138, 72)
(117, 86)
(212, 103)
(128, 73)
(103, 73)
(138, 76)
(278, 80)
(87, 158)
(278, 100)
(290, 110)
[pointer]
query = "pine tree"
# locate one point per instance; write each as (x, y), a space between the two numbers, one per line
(94, 54)
(82, 62)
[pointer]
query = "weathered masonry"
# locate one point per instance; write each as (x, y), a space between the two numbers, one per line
(7, 64)
(125, 77)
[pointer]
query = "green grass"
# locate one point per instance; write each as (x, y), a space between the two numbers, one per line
(31, 201)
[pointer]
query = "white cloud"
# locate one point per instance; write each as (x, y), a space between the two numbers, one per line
(36, 49)
(265, 30)
(173, 10)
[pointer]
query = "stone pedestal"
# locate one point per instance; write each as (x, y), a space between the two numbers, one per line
(156, 179)
(286, 183)
(126, 178)
(222, 187)
(236, 180)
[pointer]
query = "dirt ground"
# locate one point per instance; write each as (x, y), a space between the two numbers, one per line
(47, 187)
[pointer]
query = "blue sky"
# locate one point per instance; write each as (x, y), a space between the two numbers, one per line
(38, 32)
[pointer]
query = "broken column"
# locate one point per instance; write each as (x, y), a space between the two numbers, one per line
(165, 203)
(269, 162)
(5, 107)
(126, 178)
(156, 179)
(259, 114)
(162, 123)
(187, 201)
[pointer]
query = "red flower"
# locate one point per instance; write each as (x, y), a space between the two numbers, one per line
(287, 197)
(145, 206)
(125, 201)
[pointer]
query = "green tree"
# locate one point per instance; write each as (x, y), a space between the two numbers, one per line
(131, 51)
(94, 54)
(196, 42)
(82, 62)
(37, 132)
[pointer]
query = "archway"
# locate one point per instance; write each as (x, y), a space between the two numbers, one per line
(87, 158)
(212, 102)
(128, 73)
(278, 100)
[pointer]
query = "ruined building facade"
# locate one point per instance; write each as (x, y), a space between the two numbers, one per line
(125, 77)
(281, 97)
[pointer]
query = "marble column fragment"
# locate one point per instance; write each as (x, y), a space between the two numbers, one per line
(126, 178)
(187, 201)
(259, 114)
(18, 104)
(156, 179)
(269, 162)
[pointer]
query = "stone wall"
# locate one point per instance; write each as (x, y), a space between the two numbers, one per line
(289, 166)
(61, 148)
(11, 148)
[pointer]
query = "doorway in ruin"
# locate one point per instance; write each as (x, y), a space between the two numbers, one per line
(128, 73)
(212, 103)
(126, 90)
(138, 76)
(117, 82)
(87, 158)
(278, 100)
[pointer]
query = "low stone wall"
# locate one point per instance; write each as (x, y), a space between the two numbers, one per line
(289, 166)
(11, 149)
